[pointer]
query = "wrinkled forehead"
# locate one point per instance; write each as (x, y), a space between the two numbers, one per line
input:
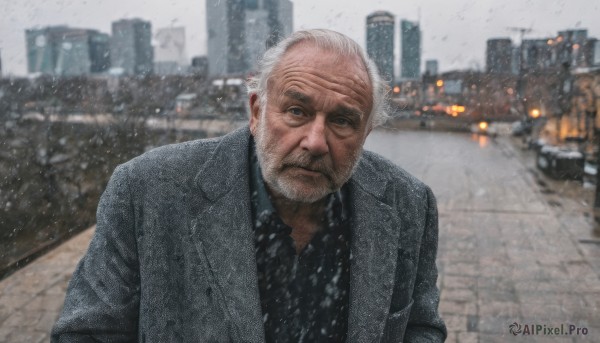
(308, 64)
(324, 58)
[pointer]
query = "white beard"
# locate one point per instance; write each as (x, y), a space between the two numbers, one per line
(273, 169)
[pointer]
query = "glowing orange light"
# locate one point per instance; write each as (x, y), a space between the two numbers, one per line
(483, 126)
(439, 83)
(457, 109)
(535, 113)
(396, 89)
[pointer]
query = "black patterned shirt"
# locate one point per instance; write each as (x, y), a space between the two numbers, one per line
(304, 298)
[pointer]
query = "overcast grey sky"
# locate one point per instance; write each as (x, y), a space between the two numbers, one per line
(454, 31)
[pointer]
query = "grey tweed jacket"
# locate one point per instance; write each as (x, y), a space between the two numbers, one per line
(172, 258)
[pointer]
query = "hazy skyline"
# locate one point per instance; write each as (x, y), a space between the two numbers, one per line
(454, 31)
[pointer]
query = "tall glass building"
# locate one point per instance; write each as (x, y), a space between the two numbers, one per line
(131, 46)
(380, 42)
(410, 47)
(239, 32)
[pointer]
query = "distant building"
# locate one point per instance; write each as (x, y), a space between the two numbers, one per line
(536, 54)
(239, 32)
(596, 53)
(592, 52)
(99, 52)
(184, 103)
(569, 48)
(431, 67)
(499, 56)
(225, 27)
(131, 48)
(170, 55)
(199, 65)
(380, 42)
(410, 47)
(515, 61)
(64, 51)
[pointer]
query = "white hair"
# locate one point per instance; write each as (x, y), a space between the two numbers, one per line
(328, 40)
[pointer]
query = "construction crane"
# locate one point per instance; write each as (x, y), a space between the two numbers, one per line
(522, 31)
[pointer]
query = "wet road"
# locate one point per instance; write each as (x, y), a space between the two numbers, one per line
(515, 247)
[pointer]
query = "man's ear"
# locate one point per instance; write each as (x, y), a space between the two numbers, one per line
(254, 112)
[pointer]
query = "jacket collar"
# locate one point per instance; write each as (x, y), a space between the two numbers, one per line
(223, 232)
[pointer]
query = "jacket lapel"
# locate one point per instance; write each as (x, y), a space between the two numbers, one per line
(224, 236)
(374, 249)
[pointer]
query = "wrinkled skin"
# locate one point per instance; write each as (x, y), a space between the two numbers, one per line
(311, 132)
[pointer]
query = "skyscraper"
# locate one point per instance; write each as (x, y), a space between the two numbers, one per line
(499, 56)
(239, 31)
(64, 51)
(380, 42)
(169, 53)
(131, 48)
(410, 61)
(225, 27)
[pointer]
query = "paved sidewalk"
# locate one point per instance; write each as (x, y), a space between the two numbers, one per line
(31, 298)
(527, 258)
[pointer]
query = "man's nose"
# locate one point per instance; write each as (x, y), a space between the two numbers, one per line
(315, 139)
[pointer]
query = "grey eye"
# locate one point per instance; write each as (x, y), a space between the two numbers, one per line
(296, 111)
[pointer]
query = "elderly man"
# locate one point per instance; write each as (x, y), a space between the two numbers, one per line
(285, 231)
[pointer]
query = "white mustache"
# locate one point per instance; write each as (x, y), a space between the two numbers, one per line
(306, 161)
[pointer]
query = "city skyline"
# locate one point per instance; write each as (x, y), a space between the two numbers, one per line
(455, 34)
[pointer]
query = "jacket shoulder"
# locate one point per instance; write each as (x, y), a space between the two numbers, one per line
(392, 173)
(175, 154)
(168, 165)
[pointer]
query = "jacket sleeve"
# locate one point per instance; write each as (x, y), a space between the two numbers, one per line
(425, 324)
(102, 301)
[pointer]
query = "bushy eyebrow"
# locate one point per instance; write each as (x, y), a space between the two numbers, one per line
(305, 99)
(349, 111)
(297, 96)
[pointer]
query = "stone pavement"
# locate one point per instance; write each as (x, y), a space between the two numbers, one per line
(534, 262)
(31, 298)
(515, 246)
